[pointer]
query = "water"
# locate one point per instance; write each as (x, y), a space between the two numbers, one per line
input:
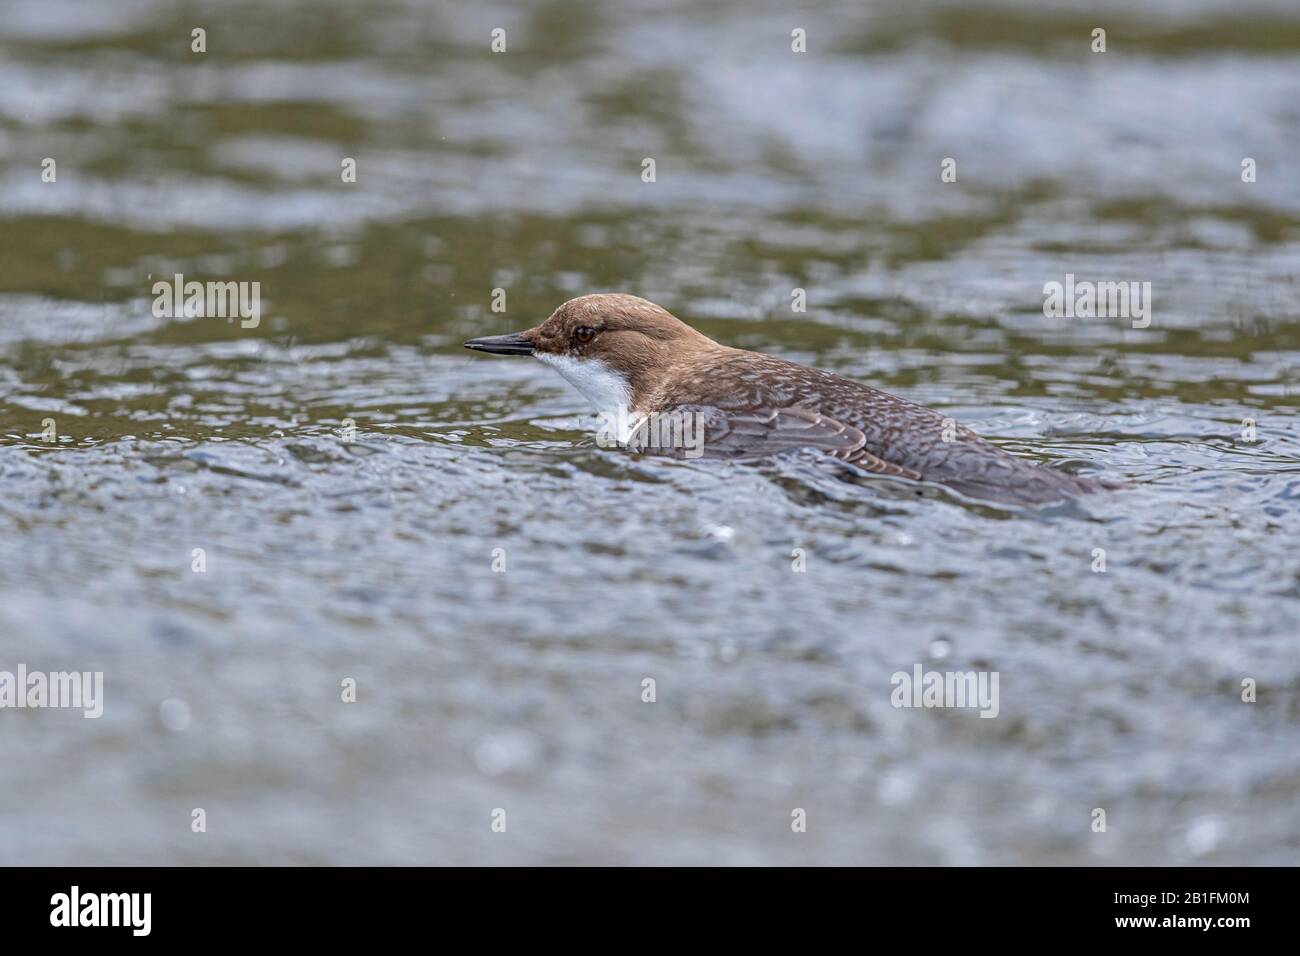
(521, 689)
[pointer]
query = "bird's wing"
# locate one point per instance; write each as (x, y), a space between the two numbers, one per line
(757, 432)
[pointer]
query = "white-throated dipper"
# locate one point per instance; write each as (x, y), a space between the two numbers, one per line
(626, 354)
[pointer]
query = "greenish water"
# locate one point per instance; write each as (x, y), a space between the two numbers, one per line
(521, 689)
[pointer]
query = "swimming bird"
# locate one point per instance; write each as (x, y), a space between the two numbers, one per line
(635, 361)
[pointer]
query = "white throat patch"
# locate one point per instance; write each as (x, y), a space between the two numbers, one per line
(607, 390)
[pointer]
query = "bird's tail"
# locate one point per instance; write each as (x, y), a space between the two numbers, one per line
(1032, 487)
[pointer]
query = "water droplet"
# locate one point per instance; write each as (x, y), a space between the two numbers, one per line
(895, 789)
(504, 752)
(1203, 835)
(174, 714)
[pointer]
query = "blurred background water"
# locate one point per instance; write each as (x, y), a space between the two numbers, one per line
(521, 690)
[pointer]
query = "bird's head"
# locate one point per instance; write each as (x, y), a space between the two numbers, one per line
(611, 347)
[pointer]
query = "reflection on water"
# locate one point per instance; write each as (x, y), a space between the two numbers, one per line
(521, 688)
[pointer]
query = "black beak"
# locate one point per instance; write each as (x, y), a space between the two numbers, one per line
(513, 344)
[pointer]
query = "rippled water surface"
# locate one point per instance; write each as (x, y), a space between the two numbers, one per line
(521, 688)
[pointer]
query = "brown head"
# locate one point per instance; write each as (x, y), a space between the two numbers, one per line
(613, 348)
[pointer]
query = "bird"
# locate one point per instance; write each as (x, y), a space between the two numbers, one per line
(636, 362)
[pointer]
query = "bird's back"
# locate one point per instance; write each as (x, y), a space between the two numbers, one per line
(774, 398)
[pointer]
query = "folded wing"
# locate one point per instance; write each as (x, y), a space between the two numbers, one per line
(759, 432)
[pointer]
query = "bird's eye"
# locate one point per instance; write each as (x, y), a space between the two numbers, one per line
(584, 334)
